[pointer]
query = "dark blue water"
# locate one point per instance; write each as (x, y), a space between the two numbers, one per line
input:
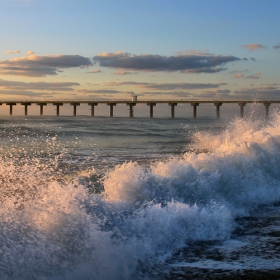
(120, 198)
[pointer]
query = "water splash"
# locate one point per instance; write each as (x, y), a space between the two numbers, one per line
(61, 225)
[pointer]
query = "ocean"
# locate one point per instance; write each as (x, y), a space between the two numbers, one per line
(139, 198)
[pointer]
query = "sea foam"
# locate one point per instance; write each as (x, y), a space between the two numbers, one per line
(56, 227)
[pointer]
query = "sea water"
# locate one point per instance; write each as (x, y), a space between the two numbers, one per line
(120, 198)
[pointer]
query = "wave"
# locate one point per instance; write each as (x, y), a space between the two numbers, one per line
(123, 224)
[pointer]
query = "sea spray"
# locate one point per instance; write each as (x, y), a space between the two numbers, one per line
(59, 224)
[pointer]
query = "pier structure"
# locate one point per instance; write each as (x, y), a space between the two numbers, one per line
(75, 104)
(92, 104)
(194, 104)
(11, 104)
(25, 104)
(112, 104)
(134, 102)
(172, 104)
(266, 107)
(218, 105)
(57, 104)
(131, 105)
(152, 104)
(241, 105)
(41, 104)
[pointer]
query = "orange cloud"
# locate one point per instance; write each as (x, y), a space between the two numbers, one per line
(122, 73)
(12, 51)
(254, 47)
(95, 71)
(239, 75)
(255, 76)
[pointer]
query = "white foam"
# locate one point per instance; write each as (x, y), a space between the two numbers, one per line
(143, 216)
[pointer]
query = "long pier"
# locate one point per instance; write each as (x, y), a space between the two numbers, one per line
(134, 102)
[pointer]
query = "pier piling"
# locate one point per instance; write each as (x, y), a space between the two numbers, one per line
(131, 115)
(92, 107)
(194, 109)
(75, 104)
(26, 104)
(57, 104)
(242, 105)
(41, 107)
(111, 108)
(218, 105)
(11, 104)
(151, 109)
(266, 107)
(172, 109)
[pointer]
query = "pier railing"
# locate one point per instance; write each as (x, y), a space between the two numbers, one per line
(132, 104)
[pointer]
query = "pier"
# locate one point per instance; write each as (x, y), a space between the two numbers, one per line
(134, 102)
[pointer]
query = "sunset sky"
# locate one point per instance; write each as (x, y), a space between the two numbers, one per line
(158, 49)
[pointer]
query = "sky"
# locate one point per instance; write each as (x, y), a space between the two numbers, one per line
(157, 49)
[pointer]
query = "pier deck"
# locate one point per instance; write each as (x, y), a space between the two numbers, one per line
(131, 104)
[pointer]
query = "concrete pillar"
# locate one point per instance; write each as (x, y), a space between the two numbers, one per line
(194, 109)
(111, 108)
(218, 105)
(92, 107)
(57, 107)
(172, 109)
(151, 109)
(266, 106)
(75, 108)
(242, 105)
(11, 107)
(131, 109)
(41, 107)
(26, 104)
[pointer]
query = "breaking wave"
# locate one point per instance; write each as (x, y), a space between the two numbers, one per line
(130, 220)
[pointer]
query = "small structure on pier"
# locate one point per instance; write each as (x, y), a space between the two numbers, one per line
(133, 97)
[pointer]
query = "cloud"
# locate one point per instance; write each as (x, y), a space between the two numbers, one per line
(277, 46)
(254, 47)
(255, 76)
(168, 86)
(204, 70)
(187, 63)
(40, 66)
(217, 94)
(218, 91)
(258, 92)
(122, 73)
(30, 52)
(195, 52)
(161, 93)
(27, 94)
(234, 72)
(43, 86)
(95, 71)
(238, 76)
(104, 91)
(12, 51)
(272, 84)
